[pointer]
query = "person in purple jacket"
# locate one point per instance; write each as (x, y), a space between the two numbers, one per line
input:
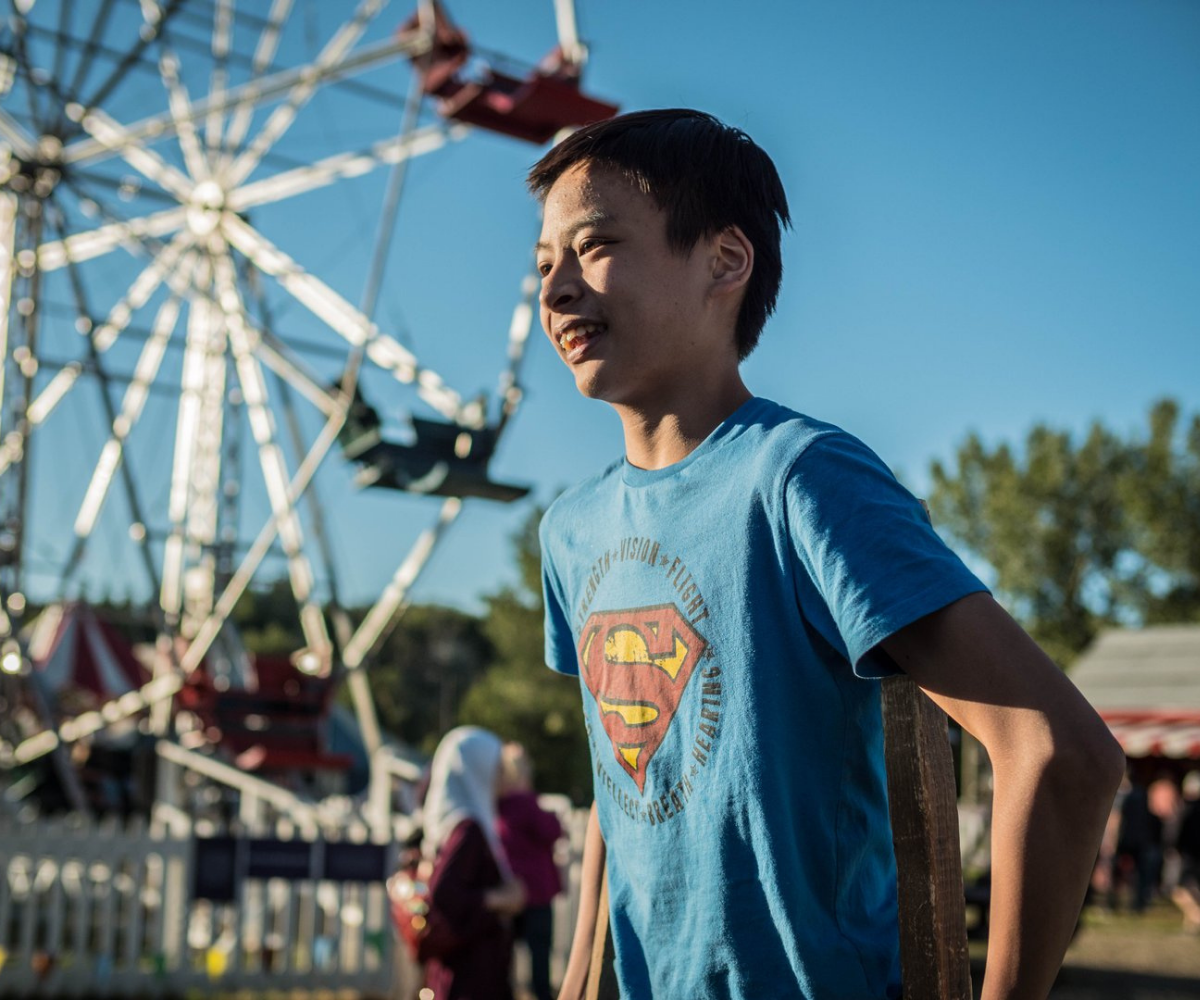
(528, 833)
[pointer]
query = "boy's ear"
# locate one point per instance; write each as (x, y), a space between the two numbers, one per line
(732, 256)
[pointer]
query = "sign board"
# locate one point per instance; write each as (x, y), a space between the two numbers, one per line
(223, 863)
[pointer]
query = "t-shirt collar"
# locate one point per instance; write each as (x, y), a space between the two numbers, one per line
(728, 429)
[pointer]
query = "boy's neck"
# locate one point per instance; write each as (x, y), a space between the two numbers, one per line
(661, 436)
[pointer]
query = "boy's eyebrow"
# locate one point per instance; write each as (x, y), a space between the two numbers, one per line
(597, 218)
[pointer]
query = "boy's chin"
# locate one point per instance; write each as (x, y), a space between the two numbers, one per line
(604, 383)
(590, 384)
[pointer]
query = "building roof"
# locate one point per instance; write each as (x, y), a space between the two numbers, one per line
(1154, 669)
(1145, 683)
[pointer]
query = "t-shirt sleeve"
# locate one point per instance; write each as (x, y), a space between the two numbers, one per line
(560, 643)
(865, 545)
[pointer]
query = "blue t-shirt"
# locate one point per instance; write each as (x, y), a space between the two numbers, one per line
(722, 614)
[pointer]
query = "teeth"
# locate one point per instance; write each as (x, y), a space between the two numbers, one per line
(568, 338)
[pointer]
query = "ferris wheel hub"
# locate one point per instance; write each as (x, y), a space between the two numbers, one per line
(50, 149)
(205, 208)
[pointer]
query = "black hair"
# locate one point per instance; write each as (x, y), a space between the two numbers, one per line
(704, 175)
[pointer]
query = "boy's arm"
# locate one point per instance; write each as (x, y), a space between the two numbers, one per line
(1056, 770)
(592, 874)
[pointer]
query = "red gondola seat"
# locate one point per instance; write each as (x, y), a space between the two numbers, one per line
(534, 108)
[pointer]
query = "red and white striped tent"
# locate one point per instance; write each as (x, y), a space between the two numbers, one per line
(74, 655)
(1156, 734)
(1145, 683)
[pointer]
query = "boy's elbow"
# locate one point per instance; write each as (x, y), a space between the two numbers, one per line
(1110, 762)
(1090, 760)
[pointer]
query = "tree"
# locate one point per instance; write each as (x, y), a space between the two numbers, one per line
(1162, 495)
(422, 670)
(267, 618)
(418, 675)
(1083, 535)
(519, 698)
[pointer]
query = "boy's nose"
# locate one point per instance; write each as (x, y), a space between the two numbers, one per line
(560, 288)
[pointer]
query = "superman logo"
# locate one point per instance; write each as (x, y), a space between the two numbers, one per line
(636, 664)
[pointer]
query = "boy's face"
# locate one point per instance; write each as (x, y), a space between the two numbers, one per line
(625, 311)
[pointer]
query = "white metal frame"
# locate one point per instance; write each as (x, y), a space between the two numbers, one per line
(222, 177)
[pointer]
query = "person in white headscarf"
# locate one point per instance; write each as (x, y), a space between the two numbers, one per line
(472, 893)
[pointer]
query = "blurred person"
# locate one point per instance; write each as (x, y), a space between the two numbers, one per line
(529, 833)
(472, 892)
(1166, 804)
(1186, 893)
(1139, 846)
(1105, 876)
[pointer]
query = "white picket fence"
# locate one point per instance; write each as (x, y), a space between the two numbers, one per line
(103, 910)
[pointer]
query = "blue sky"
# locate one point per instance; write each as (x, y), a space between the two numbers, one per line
(996, 212)
(995, 208)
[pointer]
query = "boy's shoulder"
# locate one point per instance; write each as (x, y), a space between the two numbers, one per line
(768, 440)
(778, 423)
(763, 426)
(570, 499)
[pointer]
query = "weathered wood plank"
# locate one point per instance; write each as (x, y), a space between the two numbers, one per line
(924, 814)
(602, 976)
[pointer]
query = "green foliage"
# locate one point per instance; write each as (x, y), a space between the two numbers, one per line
(1162, 494)
(440, 667)
(268, 619)
(422, 670)
(1082, 535)
(418, 675)
(519, 698)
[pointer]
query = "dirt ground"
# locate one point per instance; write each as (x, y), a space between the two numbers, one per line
(1127, 957)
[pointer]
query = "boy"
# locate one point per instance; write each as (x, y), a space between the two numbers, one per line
(726, 590)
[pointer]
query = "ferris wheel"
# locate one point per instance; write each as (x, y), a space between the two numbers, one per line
(146, 381)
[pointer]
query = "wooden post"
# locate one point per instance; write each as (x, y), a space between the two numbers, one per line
(924, 812)
(602, 976)
(920, 776)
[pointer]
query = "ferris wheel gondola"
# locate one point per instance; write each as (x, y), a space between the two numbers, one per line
(91, 168)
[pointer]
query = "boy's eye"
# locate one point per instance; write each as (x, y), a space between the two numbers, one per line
(543, 267)
(591, 243)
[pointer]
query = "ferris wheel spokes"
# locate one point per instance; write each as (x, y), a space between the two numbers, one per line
(8, 246)
(103, 336)
(144, 160)
(264, 52)
(136, 394)
(117, 73)
(17, 136)
(281, 118)
(222, 30)
(90, 243)
(519, 328)
(252, 93)
(109, 453)
(395, 595)
(343, 318)
(340, 166)
(274, 469)
(180, 106)
(244, 574)
(189, 418)
(214, 178)
(85, 245)
(276, 356)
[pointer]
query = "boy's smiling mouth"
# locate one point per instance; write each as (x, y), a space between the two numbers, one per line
(577, 336)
